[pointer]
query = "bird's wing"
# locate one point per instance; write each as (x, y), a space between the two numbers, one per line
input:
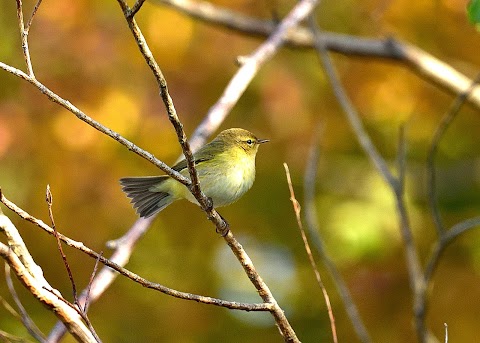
(205, 153)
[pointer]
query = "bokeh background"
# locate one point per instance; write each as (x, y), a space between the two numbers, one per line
(84, 51)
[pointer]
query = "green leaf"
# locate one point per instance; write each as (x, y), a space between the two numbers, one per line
(473, 11)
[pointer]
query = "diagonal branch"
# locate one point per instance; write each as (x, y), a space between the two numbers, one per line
(419, 61)
(230, 96)
(310, 180)
(24, 36)
(251, 64)
(27, 321)
(52, 96)
(125, 272)
(417, 284)
(31, 276)
(432, 153)
(313, 264)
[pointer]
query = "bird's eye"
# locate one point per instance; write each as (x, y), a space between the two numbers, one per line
(249, 142)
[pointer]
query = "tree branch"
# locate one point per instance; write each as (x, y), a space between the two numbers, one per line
(419, 61)
(313, 264)
(396, 185)
(31, 276)
(310, 180)
(27, 322)
(125, 272)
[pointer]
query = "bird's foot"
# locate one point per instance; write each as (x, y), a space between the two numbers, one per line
(209, 204)
(223, 231)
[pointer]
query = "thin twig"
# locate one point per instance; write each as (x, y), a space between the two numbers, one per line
(412, 260)
(447, 238)
(136, 7)
(145, 283)
(89, 286)
(9, 338)
(347, 106)
(76, 305)
(419, 61)
(446, 332)
(239, 252)
(401, 159)
(310, 180)
(251, 64)
(444, 236)
(96, 125)
(30, 21)
(49, 200)
(31, 276)
(194, 184)
(444, 124)
(80, 312)
(232, 93)
(24, 39)
(9, 307)
(27, 321)
(313, 264)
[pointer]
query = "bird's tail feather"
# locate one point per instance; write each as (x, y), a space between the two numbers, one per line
(145, 199)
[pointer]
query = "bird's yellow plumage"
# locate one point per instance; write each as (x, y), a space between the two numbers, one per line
(225, 167)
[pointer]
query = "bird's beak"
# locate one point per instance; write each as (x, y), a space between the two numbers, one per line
(260, 141)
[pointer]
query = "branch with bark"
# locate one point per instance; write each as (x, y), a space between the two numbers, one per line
(288, 32)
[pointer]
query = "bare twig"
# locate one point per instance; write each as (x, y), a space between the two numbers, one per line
(76, 305)
(444, 236)
(310, 180)
(231, 95)
(194, 184)
(446, 332)
(352, 115)
(9, 308)
(95, 124)
(145, 283)
(9, 338)
(30, 21)
(432, 153)
(419, 61)
(24, 37)
(412, 260)
(28, 323)
(296, 209)
(123, 250)
(89, 286)
(136, 7)
(401, 159)
(251, 64)
(80, 312)
(49, 200)
(31, 276)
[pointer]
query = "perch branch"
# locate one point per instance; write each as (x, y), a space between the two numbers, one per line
(230, 96)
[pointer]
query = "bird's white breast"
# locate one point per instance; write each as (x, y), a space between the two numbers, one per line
(227, 184)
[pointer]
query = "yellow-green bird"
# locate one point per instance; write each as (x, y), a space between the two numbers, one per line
(225, 167)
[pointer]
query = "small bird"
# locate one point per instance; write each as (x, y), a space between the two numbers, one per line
(225, 168)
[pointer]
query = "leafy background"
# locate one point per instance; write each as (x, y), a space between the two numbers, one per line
(83, 51)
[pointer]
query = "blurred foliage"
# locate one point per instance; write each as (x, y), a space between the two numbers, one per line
(473, 11)
(83, 50)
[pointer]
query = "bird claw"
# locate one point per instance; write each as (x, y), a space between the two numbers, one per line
(224, 230)
(209, 204)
